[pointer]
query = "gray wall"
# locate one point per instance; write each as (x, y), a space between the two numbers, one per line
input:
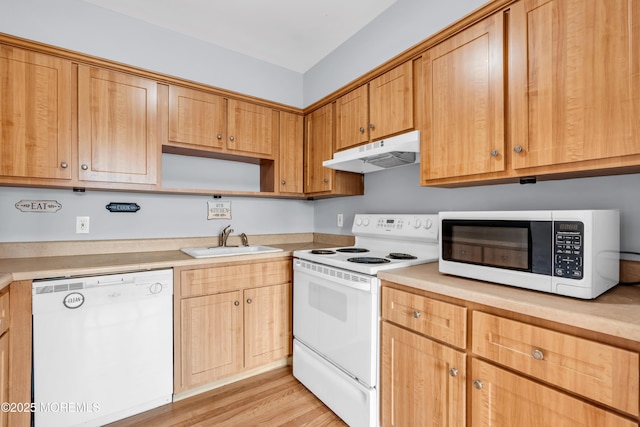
(159, 216)
(398, 191)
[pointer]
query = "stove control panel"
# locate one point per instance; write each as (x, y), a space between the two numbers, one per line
(419, 226)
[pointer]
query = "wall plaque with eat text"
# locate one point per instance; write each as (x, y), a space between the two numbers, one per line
(46, 206)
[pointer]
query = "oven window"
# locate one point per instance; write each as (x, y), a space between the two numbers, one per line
(499, 244)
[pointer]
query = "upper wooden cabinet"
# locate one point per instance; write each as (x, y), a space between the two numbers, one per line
(35, 115)
(463, 87)
(117, 127)
(378, 109)
(197, 117)
(291, 159)
(574, 83)
(206, 120)
(573, 98)
(250, 129)
(318, 147)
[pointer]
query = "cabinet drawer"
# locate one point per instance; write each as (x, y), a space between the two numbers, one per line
(440, 320)
(4, 311)
(606, 374)
(214, 280)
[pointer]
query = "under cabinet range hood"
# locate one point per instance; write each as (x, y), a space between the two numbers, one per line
(399, 150)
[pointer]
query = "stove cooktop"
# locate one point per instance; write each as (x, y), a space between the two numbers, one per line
(382, 242)
(369, 262)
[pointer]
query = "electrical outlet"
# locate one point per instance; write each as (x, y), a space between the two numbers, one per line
(82, 225)
(340, 220)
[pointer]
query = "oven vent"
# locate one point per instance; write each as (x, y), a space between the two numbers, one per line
(351, 277)
(332, 272)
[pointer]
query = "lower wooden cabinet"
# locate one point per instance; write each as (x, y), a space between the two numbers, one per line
(4, 376)
(422, 381)
(211, 337)
(501, 398)
(268, 320)
(232, 318)
(510, 373)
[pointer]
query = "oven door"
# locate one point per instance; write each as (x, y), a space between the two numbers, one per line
(335, 314)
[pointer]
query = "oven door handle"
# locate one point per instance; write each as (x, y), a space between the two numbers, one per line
(336, 276)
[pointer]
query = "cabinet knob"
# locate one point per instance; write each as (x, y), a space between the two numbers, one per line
(325, 180)
(477, 384)
(232, 138)
(518, 148)
(537, 354)
(249, 300)
(416, 314)
(219, 136)
(236, 303)
(283, 182)
(372, 126)
(84, 167)
(64, 165)
(494, 153)
(453, 372)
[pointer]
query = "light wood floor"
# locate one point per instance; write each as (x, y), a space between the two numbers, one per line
(272, 399)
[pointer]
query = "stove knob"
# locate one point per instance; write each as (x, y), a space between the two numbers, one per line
(417, 224)
(359, 222)
(428, 224)
(366, 222)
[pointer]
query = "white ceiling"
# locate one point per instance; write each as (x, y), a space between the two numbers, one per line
(294, 34)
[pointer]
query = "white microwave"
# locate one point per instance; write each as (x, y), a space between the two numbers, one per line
(572, 253)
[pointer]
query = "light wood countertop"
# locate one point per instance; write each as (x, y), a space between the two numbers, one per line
(14, 269)
(615, 313)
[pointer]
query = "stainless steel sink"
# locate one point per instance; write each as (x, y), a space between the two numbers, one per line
(218, 251)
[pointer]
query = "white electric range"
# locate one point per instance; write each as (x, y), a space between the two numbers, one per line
(336, 309)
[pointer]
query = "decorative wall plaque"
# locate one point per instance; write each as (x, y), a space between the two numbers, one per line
(122, 207)
(46, 206)
(219, 210)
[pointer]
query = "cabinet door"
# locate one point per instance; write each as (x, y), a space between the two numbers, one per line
(391, 102)
(4, 376)
(250, 128)
(318, 148)
(291, 153)
(574, 80)
(500, 398)
(464, 99)
(35, 115)
(211, 337)
(267, 324)
(352, 118)
(197, 117)
(422, 382)
(117, 127)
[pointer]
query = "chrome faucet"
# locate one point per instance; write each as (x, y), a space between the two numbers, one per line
(224, 235)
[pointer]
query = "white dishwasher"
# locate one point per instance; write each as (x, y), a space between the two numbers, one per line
(102, 347)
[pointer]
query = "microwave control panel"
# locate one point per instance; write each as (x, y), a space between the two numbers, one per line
(568, 249)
